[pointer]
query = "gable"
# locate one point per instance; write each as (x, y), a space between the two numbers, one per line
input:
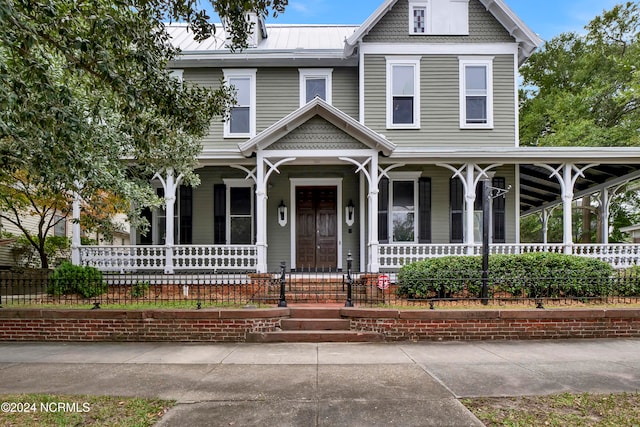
(317, 134)
(393, 28)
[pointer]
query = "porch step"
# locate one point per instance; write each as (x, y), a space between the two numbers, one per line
(314, 336)
(315, 324)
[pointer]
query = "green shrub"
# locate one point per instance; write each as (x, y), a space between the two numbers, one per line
(628, 282)
(71, 279)
(528, 275)
(139, 289)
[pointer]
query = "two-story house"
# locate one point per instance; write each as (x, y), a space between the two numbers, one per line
(370, 140)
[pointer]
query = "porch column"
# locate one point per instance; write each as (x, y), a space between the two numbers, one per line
(470, 199)
(170, 185)
(605, 204)
(261, 212)
(75, 230)
(374, 243)
(567, 174)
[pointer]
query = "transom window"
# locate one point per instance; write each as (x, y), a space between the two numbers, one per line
(315, 83)
(419, 16)
(403, 93)
(476, 93)
(242, 118)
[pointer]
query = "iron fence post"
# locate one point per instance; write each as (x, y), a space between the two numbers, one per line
(486, 223)
(349, 302)
(283, 281)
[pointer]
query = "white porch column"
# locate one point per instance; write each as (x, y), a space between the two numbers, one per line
(170, 185)
(567, 212)
(546, 214)
(261, 212)
(605, 204)
(75, 231)
(374, 243)
(470, 199)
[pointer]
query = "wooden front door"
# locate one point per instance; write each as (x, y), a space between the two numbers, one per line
(316, 228)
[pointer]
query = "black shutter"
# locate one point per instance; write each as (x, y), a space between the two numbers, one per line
(499, 208)
(383, 210)
(186, 215)
(456, 202)
(424, 210)
(219, 214)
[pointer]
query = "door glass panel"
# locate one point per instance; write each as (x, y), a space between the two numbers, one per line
(240, 200)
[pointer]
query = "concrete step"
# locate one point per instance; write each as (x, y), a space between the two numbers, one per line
(314, 336)
(315, 324)
(315, 313)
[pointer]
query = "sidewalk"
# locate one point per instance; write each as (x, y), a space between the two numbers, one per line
(321, 384)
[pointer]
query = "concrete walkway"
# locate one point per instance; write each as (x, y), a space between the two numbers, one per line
(321, 384)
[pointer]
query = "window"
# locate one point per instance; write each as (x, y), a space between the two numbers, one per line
(476, 93)
(242, 118)
(315, 82)
(60, 227)
(182, 219)
(403, 93)
(419, 16)
(233, 212)
(177, 74)
(457, 209)
(398, 211)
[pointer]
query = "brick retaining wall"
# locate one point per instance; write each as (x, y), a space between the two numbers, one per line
(233, 325)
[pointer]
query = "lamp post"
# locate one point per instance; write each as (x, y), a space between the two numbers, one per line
(488, 194)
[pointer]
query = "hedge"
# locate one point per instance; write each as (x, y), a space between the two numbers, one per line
(71, 279)
(529, 275)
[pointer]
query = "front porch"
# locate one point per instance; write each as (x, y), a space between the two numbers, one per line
(244, 258)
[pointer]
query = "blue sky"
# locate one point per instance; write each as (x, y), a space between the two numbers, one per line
(548, 18)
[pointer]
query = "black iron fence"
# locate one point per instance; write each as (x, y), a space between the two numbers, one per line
(38, 289)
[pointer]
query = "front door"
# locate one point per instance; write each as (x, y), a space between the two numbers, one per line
(316, 228)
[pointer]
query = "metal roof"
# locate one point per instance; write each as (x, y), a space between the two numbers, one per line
(281, 37)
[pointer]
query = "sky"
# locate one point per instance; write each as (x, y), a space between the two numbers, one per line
(547, 18)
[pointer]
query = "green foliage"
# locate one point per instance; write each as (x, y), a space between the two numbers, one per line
(139, 289)
(71, 279)
(582, 90)
(26, 249)
(85, 84)
(527, 275)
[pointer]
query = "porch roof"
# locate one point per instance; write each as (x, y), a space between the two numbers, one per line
(320, 108)
(609, 168)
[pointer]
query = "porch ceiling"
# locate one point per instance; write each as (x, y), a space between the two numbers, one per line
(538, 189)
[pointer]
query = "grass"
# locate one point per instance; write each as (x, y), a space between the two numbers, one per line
(589, 410)
(42, 410)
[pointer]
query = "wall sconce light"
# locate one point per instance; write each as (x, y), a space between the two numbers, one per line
(350, 213)
(282, 214)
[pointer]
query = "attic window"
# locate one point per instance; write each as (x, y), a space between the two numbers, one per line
(419, 16)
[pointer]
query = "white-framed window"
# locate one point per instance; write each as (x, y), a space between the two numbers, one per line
(315, 82)
(242, 118)
(403, 92)
(403, 206)
(60, 226)
(240, 211)
(420, 17)
(476, 93)
(177, 74)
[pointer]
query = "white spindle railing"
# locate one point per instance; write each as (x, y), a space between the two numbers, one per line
(123, 258)
(185, 257)
(219, 257)
(618, 255)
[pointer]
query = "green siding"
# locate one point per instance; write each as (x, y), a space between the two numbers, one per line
(277, 95)
(440, 105)
(394, 28)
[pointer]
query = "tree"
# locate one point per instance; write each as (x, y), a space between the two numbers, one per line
(584, 90)
(87, 103)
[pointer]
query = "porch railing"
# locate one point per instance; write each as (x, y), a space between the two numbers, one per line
(184, 257)
(393, 256)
